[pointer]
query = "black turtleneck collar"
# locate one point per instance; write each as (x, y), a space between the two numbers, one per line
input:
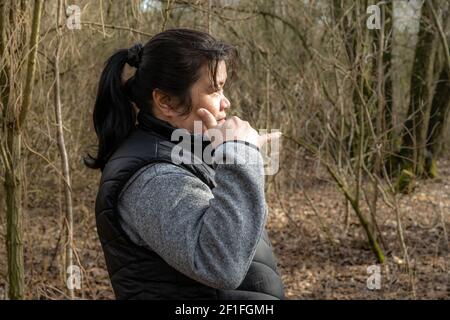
(148, 122)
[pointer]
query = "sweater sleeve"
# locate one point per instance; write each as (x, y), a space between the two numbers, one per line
(208, 235)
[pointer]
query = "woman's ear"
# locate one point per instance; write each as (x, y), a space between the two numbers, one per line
(164, 103)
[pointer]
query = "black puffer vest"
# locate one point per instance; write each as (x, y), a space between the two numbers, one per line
(139, 273)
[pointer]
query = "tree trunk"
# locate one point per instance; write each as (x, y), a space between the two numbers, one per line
(439, 118)
(13, 174)
(440, 106)
(4, 71)
(414, 139)
(386, 106)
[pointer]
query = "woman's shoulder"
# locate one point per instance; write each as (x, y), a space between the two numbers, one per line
(160, 168)
(144, 176)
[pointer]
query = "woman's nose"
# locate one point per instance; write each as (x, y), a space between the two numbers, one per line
(224, 103)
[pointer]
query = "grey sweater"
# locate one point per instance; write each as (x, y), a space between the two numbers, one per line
(208, 235)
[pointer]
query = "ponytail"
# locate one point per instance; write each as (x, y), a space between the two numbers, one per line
(114, 115)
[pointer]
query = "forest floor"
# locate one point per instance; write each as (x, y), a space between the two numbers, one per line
(322, 257)
(319, 256)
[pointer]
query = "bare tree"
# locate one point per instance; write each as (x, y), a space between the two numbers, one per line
(63, 151)
(13, 122)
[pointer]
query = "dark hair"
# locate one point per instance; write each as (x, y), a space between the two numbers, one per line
(170, 61)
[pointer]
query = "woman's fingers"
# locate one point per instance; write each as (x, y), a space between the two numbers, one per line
(207, 118)
(233, 129)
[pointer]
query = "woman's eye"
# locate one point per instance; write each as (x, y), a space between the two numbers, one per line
(216, 91)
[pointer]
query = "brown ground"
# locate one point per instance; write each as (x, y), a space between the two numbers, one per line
(312, 267)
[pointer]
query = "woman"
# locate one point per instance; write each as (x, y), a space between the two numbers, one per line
(171, 230)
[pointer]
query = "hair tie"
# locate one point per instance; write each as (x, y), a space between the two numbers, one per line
(134, 55)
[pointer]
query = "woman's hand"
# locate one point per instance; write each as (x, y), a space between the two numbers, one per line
(232, 129)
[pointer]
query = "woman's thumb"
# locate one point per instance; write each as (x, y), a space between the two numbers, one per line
(207, 118)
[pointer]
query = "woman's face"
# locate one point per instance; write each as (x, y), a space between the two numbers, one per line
(203, 95)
